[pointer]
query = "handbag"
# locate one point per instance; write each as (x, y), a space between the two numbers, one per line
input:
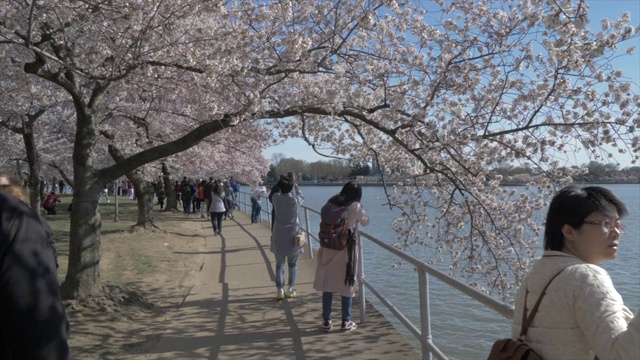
(509, 349)
(300, 239)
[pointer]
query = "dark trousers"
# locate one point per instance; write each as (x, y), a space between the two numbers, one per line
(186, 205)
(216, 222)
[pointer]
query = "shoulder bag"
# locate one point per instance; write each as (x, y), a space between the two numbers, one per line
(509, 349)
(300, 239)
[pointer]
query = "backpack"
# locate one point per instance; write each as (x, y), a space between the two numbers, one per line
(161, 194)
(334, 233)
(509, 349)
(185, 190)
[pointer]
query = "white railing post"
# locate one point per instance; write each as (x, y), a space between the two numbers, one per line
(308, 233)
(361, 288)
(269, 212)
(425, 316)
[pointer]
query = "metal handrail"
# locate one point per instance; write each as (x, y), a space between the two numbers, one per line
(424, 333)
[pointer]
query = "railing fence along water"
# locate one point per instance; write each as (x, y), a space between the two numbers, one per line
(423, 334)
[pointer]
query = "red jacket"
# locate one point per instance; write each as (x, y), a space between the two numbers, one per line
(50, 201)
(201, 193)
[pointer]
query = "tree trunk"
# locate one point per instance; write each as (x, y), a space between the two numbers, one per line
(171, 200)
(83, 274)
(34, 187)
(33, 160)
(144, 198)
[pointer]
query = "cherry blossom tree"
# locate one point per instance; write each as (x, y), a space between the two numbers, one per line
(437, 91)
(440, 92)
(40, 120)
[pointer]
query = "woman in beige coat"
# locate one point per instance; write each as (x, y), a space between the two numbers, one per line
(581, 314)
(332, 264)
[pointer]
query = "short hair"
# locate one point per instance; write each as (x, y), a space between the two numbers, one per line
(285, 185)
(572, 205)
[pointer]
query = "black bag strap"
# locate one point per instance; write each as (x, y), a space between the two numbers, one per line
(526, 321)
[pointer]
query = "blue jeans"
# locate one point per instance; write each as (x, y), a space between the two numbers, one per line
(216, 222)
(293, 268)
(327, 299)
(256, 207)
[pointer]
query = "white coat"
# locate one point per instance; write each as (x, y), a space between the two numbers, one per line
(581, 312)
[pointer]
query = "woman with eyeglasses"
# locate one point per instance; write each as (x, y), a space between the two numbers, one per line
(581, 313)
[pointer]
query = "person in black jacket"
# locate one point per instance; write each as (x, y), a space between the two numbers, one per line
(33, 322)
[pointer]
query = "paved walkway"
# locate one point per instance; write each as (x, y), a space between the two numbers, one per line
(235, 292)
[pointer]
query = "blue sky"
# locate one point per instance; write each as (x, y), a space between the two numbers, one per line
(630, 65)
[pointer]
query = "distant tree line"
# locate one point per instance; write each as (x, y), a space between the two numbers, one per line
(321, 171)
(595, 172)
(339, 170)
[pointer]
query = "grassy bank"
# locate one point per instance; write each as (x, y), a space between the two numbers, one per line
(145, 275)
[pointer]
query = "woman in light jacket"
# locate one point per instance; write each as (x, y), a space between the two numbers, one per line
(285, 228)
(581, 314)
(332, 264)
(217, 207)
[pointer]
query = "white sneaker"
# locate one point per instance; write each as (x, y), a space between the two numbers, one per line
(348, 326)
(280, 294)
(291, 293)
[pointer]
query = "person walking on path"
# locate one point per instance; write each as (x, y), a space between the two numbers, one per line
(285, 228)
(208, 188)
(33, 321)
(256, 207)
(332, 264)
(161, 194)
(236, 190)
(201, 198)
(104, 193)
(230, 201)
(131, 190)
(217, 207)
(295, 191)
(186, 191)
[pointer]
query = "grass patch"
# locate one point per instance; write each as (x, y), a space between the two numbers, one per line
(144, 274)
(61, 222)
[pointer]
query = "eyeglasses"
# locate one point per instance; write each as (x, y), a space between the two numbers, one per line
(608, 224)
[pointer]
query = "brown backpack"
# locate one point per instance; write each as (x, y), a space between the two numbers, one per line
(509, 349)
